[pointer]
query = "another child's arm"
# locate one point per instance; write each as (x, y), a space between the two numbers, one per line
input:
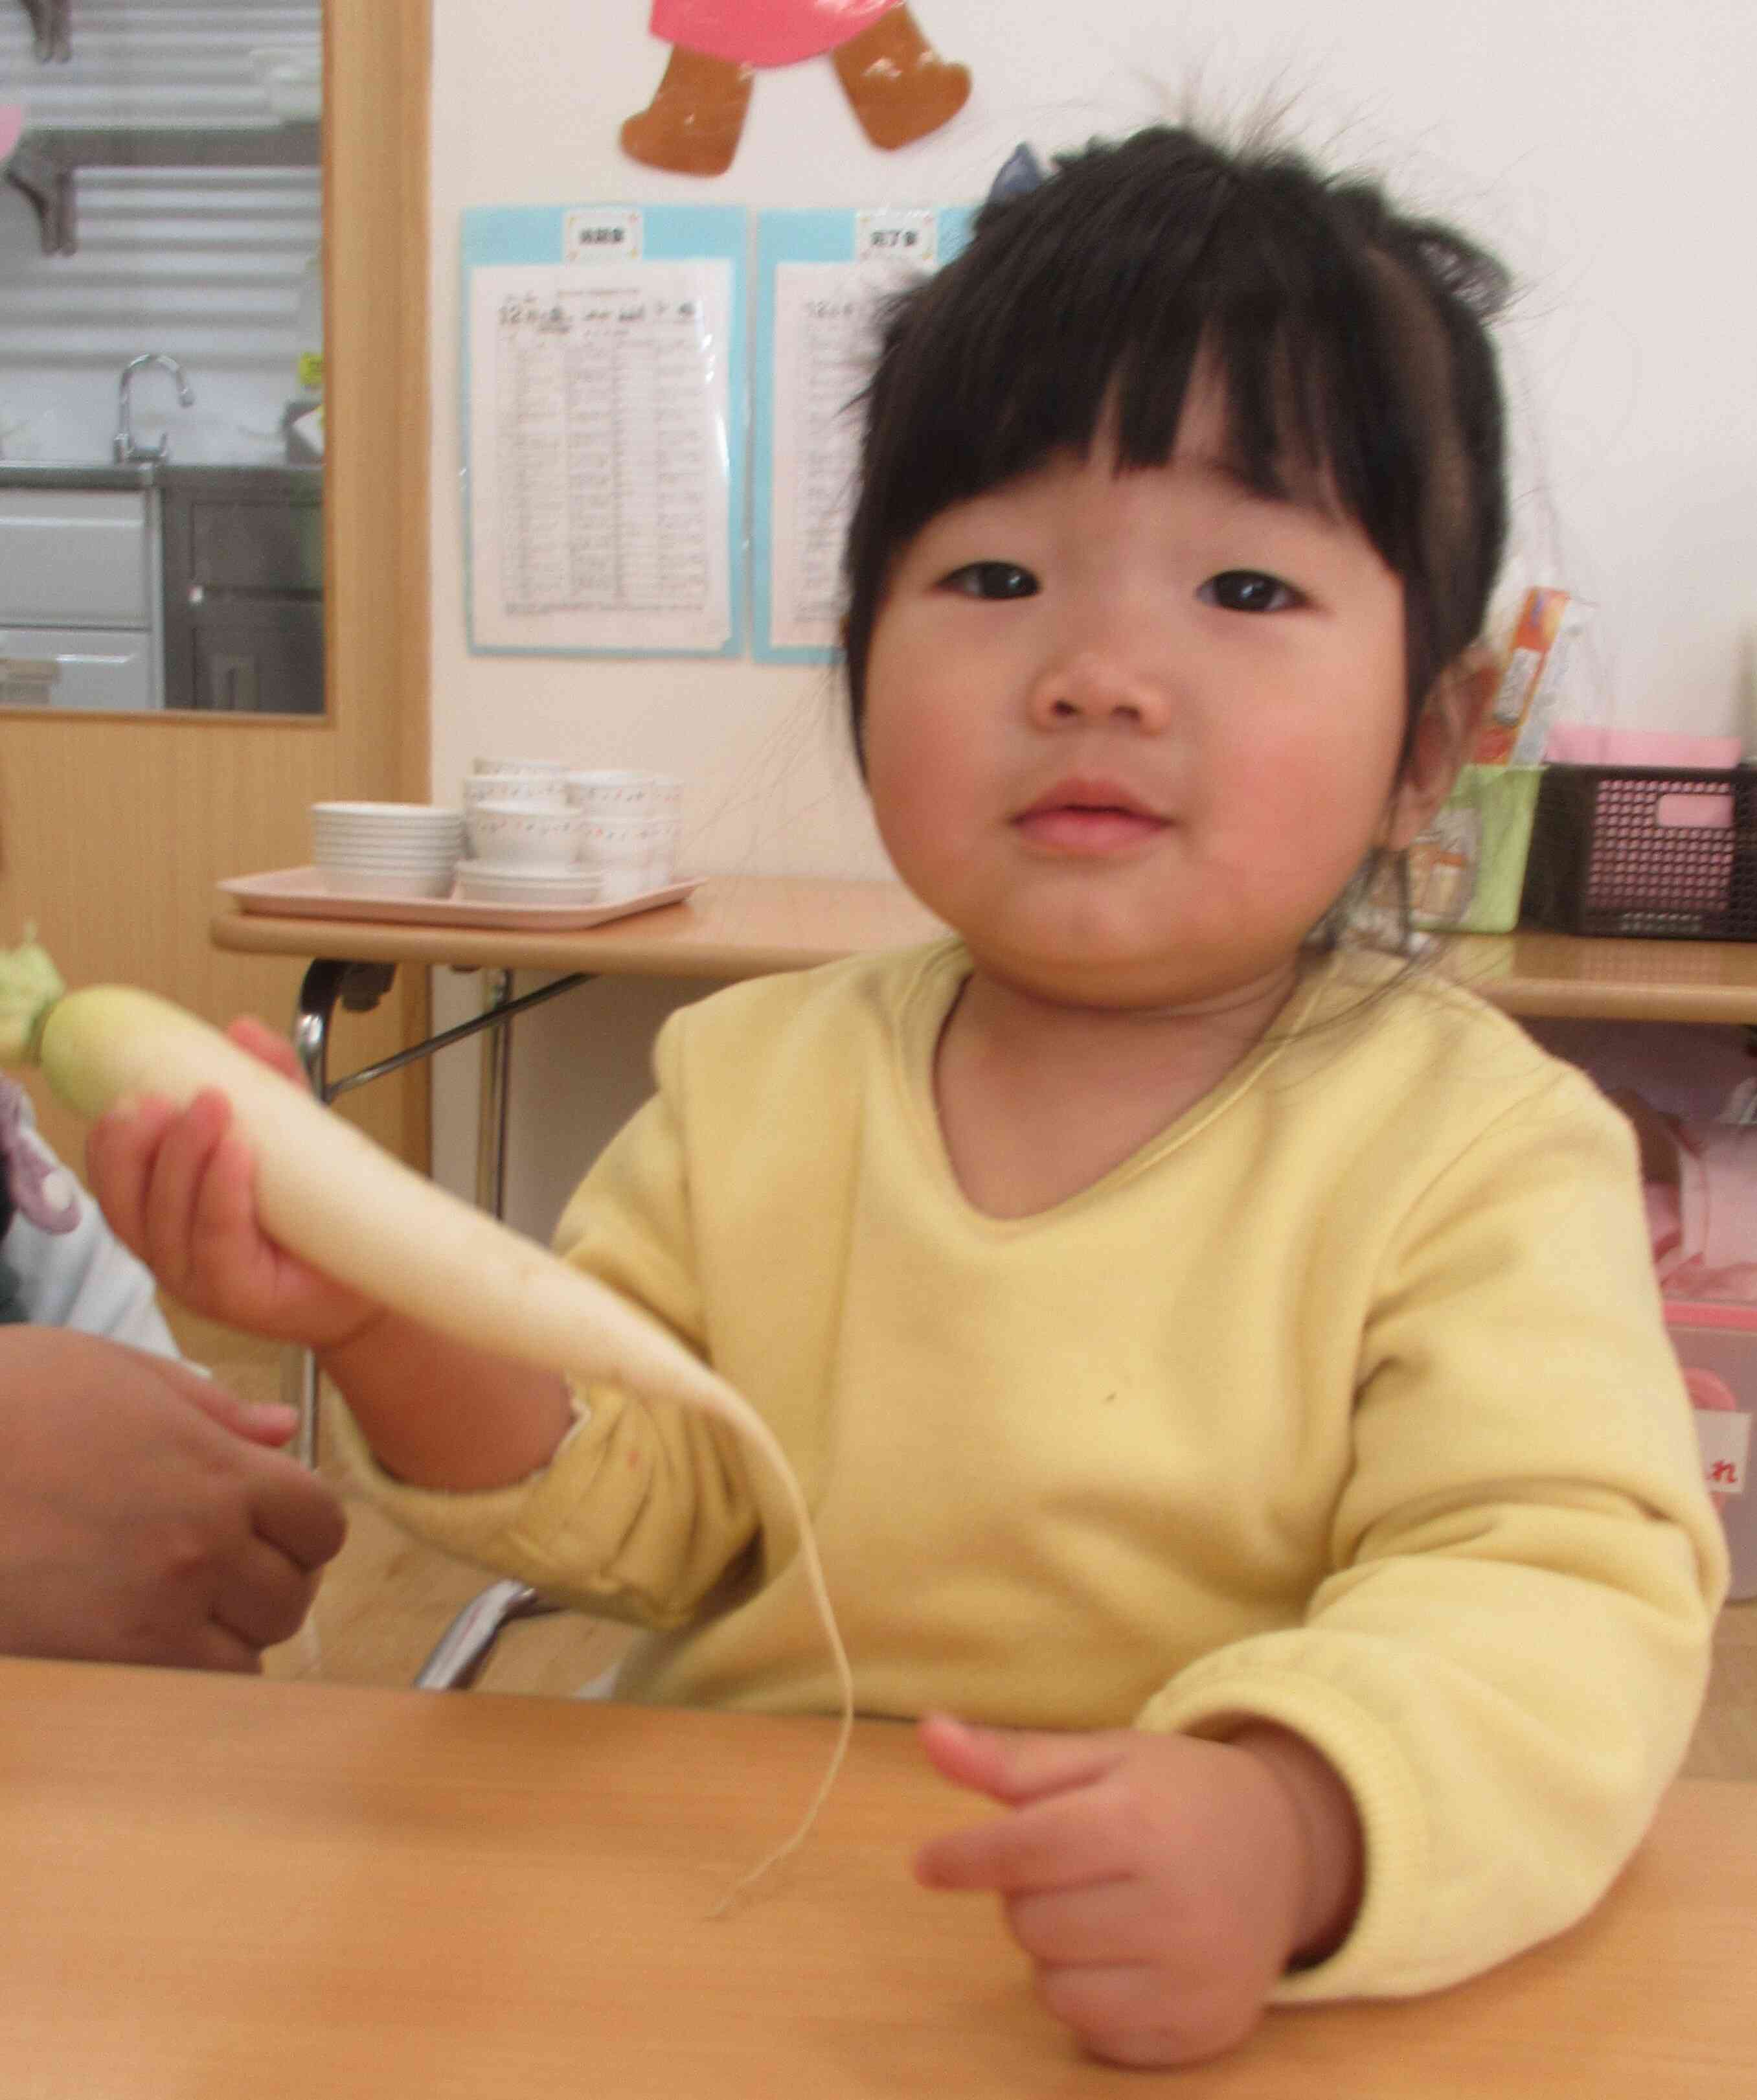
(1161, 1885)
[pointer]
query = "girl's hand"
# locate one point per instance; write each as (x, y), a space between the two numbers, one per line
(1160, 1884)
(178, 1190)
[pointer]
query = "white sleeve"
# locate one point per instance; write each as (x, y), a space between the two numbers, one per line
(86, 1279)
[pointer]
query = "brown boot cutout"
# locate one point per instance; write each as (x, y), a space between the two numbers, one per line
(897, 84)
(693, 124)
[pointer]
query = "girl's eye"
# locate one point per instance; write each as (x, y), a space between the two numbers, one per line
(1248, 590)
(991, 580)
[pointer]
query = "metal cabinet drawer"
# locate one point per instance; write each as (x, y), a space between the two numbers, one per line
(76, 558)
(93, 668)
(271, 545)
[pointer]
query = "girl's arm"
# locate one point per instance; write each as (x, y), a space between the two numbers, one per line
(1506, 1658)
(178, 1190)
(437, 1414)
(600, 1500)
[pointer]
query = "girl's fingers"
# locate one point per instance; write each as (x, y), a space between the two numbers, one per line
(1096, 1923)
(1070, 1840)
(1017, 1766)
(1118, 2011)
(185, 1156)
(120, 1151)
(269, 1045)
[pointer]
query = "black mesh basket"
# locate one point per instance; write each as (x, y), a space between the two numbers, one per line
(1664, 853)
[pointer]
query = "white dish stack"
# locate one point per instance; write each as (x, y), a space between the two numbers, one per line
(539, 833)
(387, 849)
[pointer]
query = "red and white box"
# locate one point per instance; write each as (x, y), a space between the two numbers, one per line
(1717, 1345)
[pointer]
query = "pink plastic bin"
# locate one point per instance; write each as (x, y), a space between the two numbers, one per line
(1717, 1346)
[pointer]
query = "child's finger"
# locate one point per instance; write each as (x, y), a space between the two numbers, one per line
(269, 1422)
(120, 1150)
(226, 1240)
(1068, 1842)
(1015, 1765)
(268, 1045)
(185, 1154)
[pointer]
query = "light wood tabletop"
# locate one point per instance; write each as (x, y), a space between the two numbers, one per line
(217, 1887)
(734, 926)
(739, 926)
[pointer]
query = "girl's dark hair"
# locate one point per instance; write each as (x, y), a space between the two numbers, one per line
(1351, 342)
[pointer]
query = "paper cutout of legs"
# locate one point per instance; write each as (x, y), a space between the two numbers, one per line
(898, 87)
(693, 122)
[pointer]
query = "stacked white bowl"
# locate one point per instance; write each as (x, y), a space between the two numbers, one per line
(633, 820)
(540, 834)
(522, 836)
(387, 848)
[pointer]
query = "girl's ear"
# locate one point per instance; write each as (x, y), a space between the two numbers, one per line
(1445, 734)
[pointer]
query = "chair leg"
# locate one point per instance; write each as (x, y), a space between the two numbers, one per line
(465, 1647)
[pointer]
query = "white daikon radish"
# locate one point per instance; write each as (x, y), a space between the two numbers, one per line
(327, 1193)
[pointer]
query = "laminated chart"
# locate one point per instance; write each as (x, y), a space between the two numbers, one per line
(823, 279)
(604, 397)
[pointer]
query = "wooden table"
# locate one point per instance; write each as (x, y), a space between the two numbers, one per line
(734, 926)
(742, 926)
(224, 1888)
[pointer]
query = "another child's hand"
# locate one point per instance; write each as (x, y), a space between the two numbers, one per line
(1160, 1883)
(178, 1190)
(146, 1515)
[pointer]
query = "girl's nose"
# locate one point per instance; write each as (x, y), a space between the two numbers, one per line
(1096, 685)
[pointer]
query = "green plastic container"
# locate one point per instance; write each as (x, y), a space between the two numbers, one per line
(1468, 868)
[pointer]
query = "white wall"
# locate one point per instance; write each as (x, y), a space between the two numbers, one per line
(1603, 147)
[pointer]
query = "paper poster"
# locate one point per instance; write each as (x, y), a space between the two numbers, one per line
(604, 433)
(824, 278)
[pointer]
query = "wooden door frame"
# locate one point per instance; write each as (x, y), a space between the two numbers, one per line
(377, 89)
(377, 82)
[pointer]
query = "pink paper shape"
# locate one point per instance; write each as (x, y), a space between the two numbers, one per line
(765, 32)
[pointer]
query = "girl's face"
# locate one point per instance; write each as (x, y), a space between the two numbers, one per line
(1130, 734)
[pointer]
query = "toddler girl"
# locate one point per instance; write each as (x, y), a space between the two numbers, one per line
(1224, 1367)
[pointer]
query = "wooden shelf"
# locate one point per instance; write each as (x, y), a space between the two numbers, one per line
(45, 166)
(1568, 976)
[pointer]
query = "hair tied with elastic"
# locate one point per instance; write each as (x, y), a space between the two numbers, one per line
(1020, 173)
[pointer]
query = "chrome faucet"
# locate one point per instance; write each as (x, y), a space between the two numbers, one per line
(124, 446)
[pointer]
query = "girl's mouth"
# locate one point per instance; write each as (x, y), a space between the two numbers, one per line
(1089, 818)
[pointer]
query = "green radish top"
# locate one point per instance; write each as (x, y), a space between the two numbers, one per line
(29, 985)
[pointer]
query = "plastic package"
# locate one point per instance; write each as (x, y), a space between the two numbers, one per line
(1467, 868)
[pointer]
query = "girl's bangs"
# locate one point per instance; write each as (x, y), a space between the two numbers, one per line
(1311, 409)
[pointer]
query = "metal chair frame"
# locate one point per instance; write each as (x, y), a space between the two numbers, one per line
(463, 1650)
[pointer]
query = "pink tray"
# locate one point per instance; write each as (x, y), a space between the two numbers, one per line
(301, 893)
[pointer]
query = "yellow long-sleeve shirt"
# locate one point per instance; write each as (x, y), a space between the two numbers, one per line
(1346, 1402)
